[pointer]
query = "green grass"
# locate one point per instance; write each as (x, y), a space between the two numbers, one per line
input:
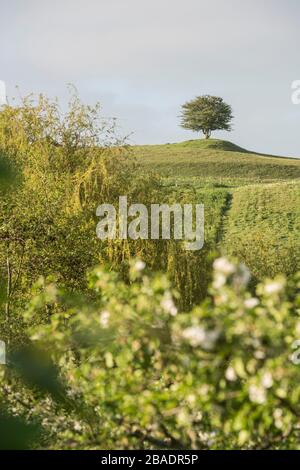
(252, 201)
(263, 226)
(215, 162)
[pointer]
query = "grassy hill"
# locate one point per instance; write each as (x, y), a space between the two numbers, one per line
(217, 162)
(252, 201)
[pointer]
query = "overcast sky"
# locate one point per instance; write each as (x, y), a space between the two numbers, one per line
(143, 58)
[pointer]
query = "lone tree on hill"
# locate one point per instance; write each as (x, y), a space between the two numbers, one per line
(206, 113)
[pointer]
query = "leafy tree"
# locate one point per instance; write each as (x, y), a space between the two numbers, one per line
(65, 165)
(206, 113)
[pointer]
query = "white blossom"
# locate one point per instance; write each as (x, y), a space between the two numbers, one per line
(104, 318)
(77, 426)
(195, 335)
(273, 287)
(198, 336)
(224, 266)
(230, 374)
(168, 305)
(243, 275)
(277, 413)
(259, 354)
(219, 280)
(210, 339)
(139, 265)
(267, 380)
(257, 394)
(251, 303)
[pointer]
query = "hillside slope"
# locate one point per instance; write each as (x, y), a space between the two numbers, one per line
(262, 228)
(216, 161)
(256, 213)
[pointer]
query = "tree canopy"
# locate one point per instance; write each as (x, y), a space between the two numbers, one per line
(206, 114)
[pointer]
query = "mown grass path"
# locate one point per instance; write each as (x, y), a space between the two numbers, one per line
(224, 217)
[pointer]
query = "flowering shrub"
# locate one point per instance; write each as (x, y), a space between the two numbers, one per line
(224, 376)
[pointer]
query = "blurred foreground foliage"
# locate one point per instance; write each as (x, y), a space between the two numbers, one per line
(133, 372)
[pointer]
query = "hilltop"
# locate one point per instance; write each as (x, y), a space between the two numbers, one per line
(216, 161)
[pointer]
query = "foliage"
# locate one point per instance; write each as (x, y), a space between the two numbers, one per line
(206, 113)
(16, 433)
(225, 375)
(65, 165)
(134, 359)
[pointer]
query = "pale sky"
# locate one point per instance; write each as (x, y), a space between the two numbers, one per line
(142, 59)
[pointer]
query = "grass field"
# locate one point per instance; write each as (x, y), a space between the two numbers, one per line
(263, 227)
(252, 201)
(216, 162)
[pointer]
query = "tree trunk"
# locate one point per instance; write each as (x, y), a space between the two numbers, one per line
(207, 133)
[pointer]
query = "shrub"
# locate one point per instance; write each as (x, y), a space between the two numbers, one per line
(225, 375)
